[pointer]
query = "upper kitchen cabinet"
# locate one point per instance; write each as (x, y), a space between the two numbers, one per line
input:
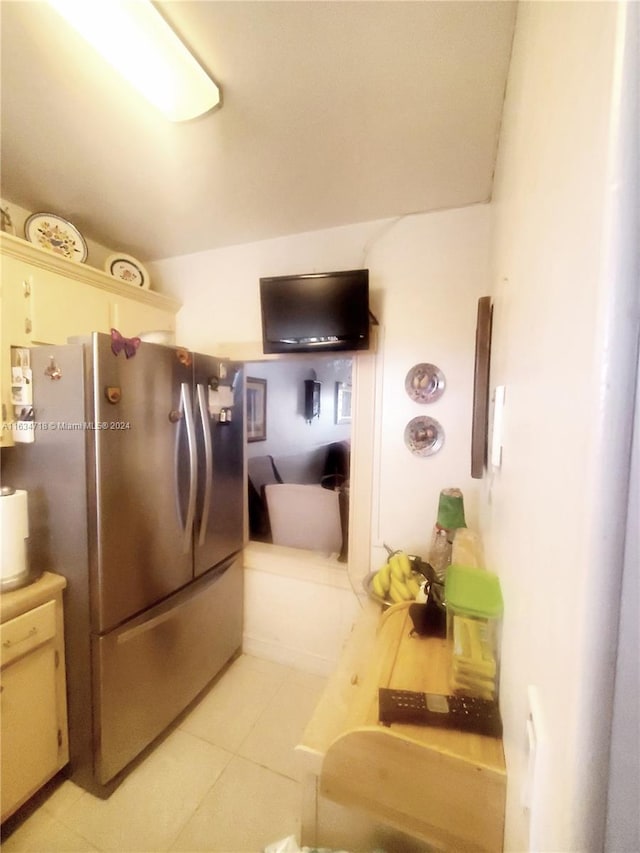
(131, 316)
(59, 307)
(45, 299)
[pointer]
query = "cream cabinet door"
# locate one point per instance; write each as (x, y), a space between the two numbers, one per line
(15, 283)
(33, 746)
(29, 725)
(62, 307)
(131, 317)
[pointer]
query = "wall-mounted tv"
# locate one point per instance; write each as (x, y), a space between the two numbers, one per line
(315, 312)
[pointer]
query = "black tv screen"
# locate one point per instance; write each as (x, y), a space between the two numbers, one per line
(315, 312)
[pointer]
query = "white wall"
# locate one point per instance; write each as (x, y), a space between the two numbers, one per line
(434, 269)
(220, 288)
(314, 610)
(426, 275)
(565, 329)
(623, 817)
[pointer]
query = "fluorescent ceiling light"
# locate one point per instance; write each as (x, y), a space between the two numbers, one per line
(136, 40)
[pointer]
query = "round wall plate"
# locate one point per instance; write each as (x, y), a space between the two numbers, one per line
(52, 232)
(425, 383)
(128, 269)
(423, 436)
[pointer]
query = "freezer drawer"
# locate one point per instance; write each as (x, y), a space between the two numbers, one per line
(147, 671)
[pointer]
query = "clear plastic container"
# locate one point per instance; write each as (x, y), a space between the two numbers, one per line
(474, 618)
(467, 549)
(440, 552)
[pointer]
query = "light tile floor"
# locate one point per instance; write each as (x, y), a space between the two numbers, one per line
(226, 779)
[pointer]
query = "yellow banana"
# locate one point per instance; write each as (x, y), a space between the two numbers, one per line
(397, 571)
(400, 589)
(405, 563)
(385, 576)
(394, 595)
(377, 586)
(412, 585)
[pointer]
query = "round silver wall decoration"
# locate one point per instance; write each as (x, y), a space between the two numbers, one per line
(425, 383)
(423, 436)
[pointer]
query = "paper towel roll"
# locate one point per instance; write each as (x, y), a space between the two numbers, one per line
(14, 531)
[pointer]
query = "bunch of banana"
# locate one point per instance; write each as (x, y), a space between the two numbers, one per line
(395, 580)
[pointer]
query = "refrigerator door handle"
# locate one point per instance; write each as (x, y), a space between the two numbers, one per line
(185, 406)
(208, 462)
(172, 607)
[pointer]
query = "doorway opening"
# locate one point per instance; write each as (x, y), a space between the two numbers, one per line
(299, 429)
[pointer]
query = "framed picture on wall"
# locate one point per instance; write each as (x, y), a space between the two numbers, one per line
(481, 388)
(343, 403)
(256, 393)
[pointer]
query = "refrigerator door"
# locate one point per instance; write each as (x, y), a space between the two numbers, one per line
(219, 518)
(139, 531)
(147, 671)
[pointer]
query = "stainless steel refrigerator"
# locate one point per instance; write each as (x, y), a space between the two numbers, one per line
(136, 496)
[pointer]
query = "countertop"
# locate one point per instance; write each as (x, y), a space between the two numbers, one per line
(25, 598)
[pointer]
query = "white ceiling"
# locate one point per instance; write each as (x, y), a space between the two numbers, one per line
(334, 112)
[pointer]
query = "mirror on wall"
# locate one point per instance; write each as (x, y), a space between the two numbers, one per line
(298, 467)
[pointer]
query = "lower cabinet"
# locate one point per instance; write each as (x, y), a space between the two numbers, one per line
(32, 690)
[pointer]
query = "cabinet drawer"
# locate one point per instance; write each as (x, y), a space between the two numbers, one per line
(28, 631)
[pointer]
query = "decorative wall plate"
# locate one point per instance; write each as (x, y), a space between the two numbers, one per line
(52, 232)
(425, 383)
(128, 269)
(423, 436)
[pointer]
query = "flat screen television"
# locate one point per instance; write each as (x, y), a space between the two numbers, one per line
(315, 312)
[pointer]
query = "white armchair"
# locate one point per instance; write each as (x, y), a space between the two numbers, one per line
(304, 516)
